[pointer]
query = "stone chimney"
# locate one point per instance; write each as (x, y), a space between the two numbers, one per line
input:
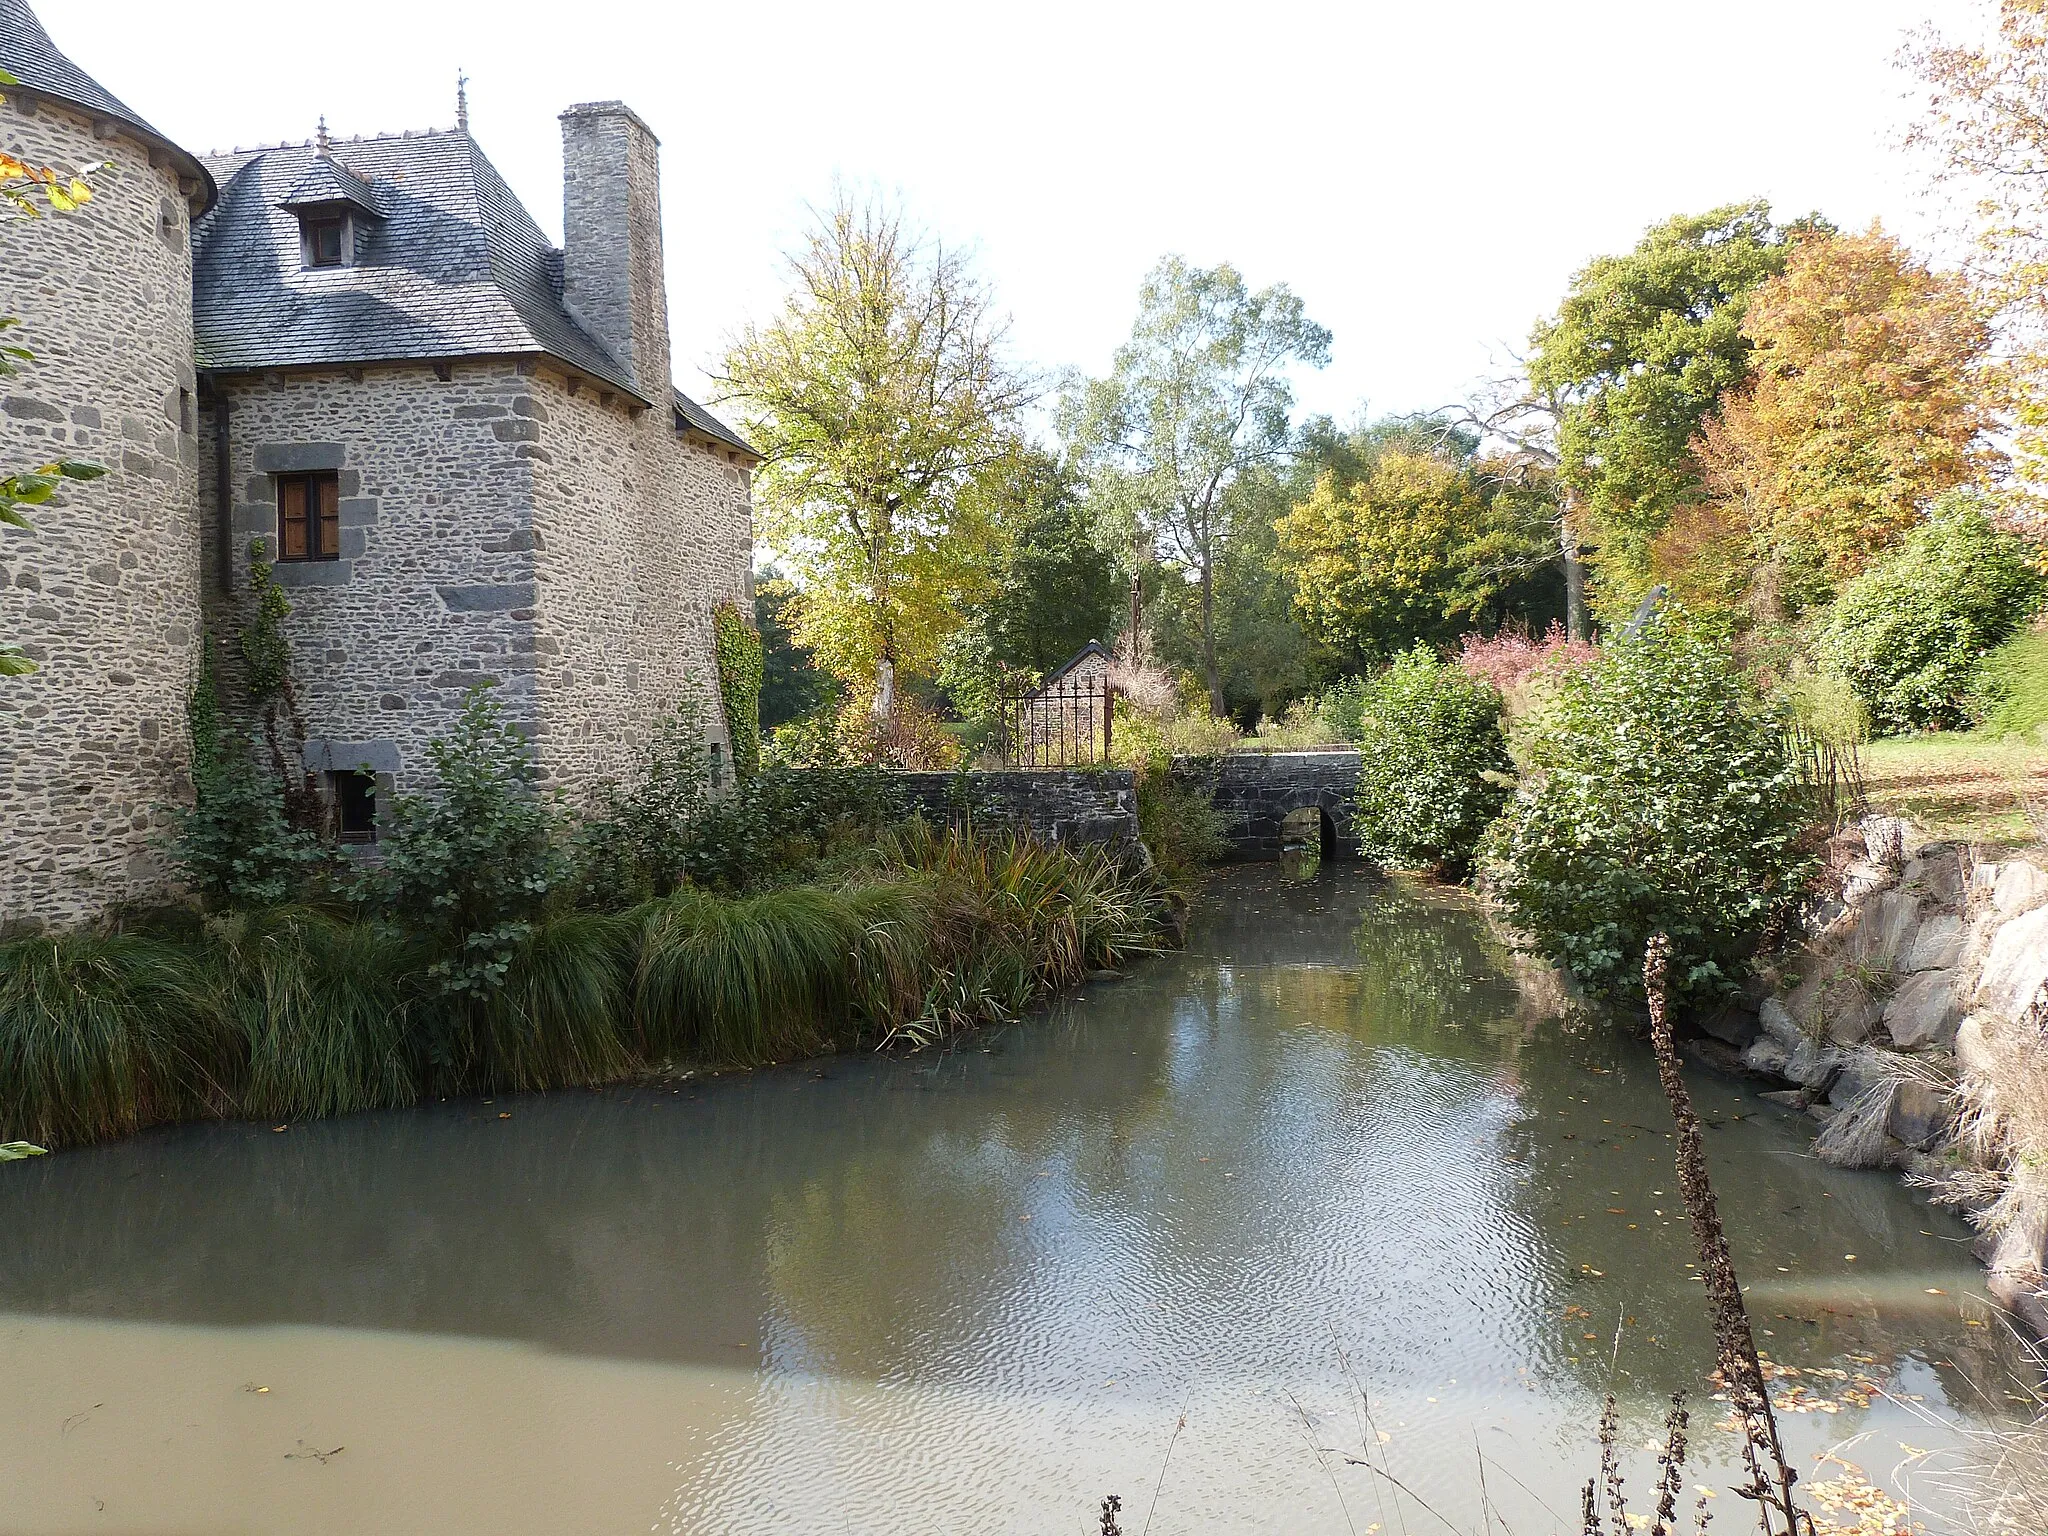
(611, 238)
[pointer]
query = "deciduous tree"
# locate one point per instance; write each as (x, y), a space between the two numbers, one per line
(1987, 133)
(875, 395)
(1867, 401)
(1196, 397)
(1424, 543)
(1638, 354)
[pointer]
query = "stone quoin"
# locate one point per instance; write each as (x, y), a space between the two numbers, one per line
(459, 446)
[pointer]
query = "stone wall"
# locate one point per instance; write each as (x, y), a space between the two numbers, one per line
(500, 525)
(1255, 791)
(104, 593)
(640, 533)
(1922, 1001)
(1062, 805)
(435, 590)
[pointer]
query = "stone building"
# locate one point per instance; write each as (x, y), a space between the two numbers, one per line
(459, 447)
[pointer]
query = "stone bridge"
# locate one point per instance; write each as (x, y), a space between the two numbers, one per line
(1257, 791)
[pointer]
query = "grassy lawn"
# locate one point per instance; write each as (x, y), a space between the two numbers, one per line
(1962, 784)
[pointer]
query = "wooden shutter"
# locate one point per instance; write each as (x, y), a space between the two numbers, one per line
(292, 519)
(329, 488)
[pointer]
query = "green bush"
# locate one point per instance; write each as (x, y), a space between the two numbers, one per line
(467, 870)
(2012, 689)
(236, 845)
(1659, 797)
(1433, 769)
(1911, 632)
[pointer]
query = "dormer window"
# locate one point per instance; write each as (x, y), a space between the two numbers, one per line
(325, 239)
(336, 210)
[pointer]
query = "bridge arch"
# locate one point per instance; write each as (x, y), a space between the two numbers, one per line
(1255, 792)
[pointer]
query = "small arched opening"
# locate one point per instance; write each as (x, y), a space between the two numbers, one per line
(1308, 841)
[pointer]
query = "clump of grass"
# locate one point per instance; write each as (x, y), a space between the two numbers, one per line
(557, 1020)
(752, 978)
(290, 1012)
(101, 1035)
(321, 1008)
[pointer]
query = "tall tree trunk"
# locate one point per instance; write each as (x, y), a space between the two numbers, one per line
(885, 690)
(1574, 580)
(1210, 675)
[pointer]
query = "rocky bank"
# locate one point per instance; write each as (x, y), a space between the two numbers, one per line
(1914, 1026)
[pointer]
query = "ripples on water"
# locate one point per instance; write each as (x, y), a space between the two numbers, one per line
(972, 1292)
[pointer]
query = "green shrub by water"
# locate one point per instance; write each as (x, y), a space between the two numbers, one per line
(1433, 766)
(499, 944)
(1911, 633)
(1659, 797)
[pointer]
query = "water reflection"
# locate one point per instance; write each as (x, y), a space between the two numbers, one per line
(979, 1288)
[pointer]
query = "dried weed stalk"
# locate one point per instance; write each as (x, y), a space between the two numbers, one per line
(1740, 1371)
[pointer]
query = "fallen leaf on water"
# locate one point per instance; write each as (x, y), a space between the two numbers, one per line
(1384, 1436)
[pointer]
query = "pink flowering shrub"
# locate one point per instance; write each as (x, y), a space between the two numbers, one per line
(1508, 660)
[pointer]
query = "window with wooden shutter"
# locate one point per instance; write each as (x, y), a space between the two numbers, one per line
(309, 516)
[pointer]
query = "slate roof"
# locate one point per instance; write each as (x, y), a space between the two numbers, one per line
(1092, 648)
(27, 53)
(452, 267)
(695, 416)
(330, 182)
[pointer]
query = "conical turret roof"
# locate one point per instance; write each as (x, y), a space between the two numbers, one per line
(27, 53)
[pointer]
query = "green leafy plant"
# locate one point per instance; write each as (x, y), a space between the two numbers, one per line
(236, 846)
(1659, 797)
(469, 868)
(1434, 767)
(1911, 633)
(739, 685)
(635, 843)
(1178, 821)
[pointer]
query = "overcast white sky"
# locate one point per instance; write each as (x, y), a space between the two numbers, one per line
(1426, 176)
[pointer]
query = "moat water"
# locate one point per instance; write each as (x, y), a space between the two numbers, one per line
(1330, 1200)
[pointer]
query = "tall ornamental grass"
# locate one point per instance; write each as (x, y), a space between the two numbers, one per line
(295, 1012)
(101, 1035)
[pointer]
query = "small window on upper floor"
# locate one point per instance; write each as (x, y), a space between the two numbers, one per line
(325, 239)
(309, 516)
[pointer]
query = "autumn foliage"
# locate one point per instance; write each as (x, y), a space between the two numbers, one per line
(1868, 397)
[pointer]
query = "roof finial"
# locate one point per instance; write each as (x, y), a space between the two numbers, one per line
(461, 101)
(320, 144)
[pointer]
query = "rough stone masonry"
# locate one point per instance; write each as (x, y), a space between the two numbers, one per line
(521, 499)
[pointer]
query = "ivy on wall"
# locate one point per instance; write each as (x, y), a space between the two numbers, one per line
(739, 685)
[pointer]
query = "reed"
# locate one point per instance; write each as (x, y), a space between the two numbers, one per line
(293, 1012)
(745, 980)
(101, 1035)
(559, 1018)
(321, 1007)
